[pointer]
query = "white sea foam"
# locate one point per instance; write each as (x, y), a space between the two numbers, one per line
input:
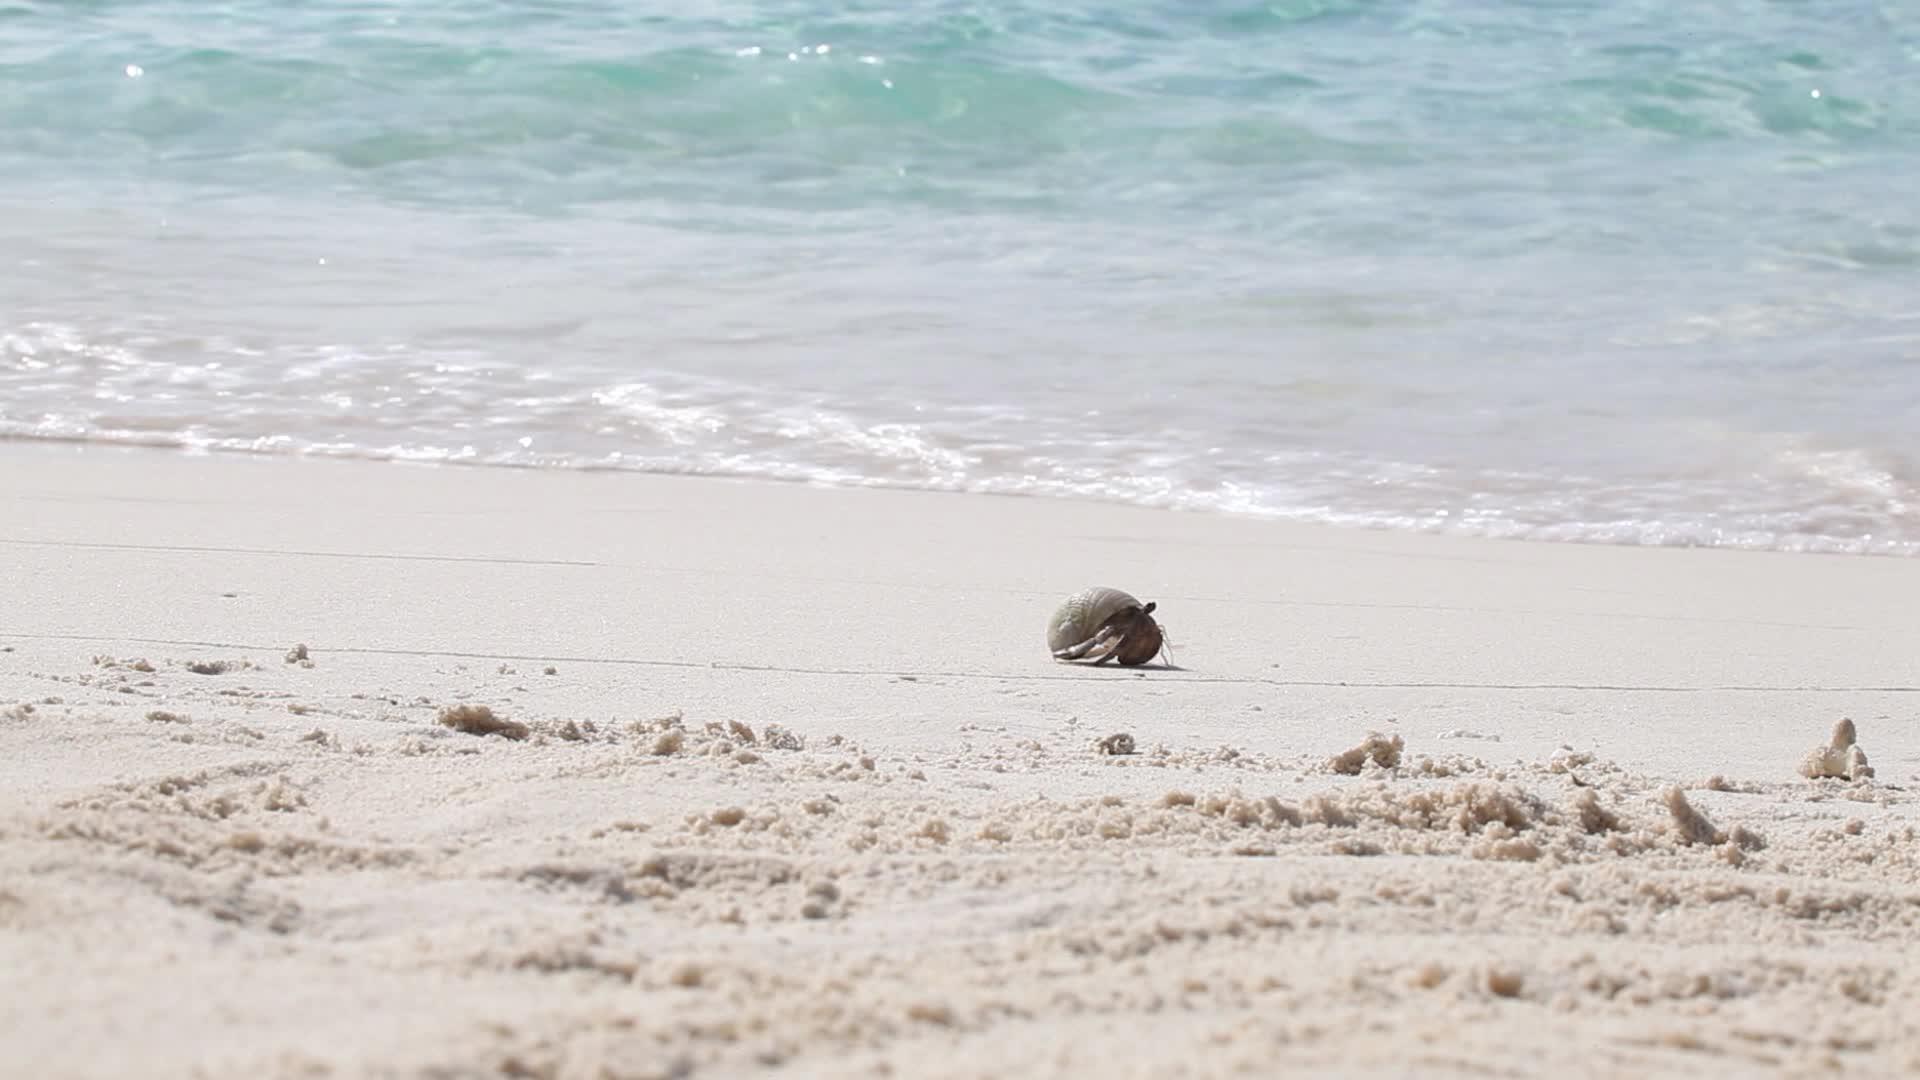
(451, 407)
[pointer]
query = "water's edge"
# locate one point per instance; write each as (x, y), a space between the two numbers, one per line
(1340, 522)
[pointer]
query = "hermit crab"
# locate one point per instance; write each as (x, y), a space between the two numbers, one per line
(1103, 624)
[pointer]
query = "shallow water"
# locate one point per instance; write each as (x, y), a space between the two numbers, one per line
(1572, 271)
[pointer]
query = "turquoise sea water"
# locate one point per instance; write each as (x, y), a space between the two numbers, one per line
(1630, 272)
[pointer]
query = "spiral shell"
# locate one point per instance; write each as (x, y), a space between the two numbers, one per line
(1102, 624)
(1082, 615)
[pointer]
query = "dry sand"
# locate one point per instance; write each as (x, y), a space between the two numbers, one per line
(365, 770)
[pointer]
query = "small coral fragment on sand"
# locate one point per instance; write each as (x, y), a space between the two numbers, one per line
(1380, 749)
(1840, 759)
(479, 720)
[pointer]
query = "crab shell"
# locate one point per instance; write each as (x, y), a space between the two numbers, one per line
(1102, 624)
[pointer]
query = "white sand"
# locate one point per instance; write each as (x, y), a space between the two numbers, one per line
(1594, 856)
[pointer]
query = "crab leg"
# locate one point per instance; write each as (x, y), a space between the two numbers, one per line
(1106, 641)
(1077, 652)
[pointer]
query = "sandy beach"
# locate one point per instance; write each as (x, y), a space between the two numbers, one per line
(782, 775)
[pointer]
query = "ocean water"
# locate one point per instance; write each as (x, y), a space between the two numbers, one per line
(1632, 272)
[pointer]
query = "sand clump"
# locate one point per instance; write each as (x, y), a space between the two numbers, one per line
(1593, 817)
(735, 741)
(480, 720)
(1693, 828)
(1382, 750)
(217, 667)
(1840, 759)
(1690, 825)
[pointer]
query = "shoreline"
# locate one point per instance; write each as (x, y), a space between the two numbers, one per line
(54, 444)
(797, 782)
